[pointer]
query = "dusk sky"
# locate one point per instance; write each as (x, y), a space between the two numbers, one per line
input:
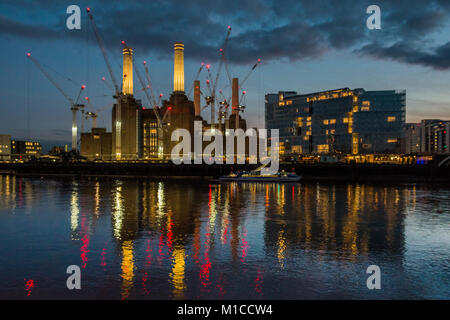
(306, 46)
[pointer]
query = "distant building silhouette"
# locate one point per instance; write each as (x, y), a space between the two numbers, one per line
(5, 147)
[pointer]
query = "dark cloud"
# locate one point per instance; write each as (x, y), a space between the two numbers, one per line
(19, 29)
(269, 29)
(437, 58)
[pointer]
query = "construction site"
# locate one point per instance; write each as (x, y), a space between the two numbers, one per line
(141, 133)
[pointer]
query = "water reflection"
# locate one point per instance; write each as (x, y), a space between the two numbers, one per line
(189, 240)
(127, 268)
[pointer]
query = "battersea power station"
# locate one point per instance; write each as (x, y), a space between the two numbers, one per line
(140, 133)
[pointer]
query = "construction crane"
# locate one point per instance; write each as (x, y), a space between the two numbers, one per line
(117, 92)
(94, 117)
(74, 105)
(250, 72)
(94, 114)
(210, 99)
(150, 86)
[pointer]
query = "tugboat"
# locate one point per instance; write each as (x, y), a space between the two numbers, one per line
(256, 176)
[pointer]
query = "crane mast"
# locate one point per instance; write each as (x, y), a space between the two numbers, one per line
(118, 94)
(74, 106)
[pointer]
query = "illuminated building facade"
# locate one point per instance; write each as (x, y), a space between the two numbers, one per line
(337, 121)
(435, 136)
(127, 129)
(131, 128)
(180, 110)
(25, 149)
(5, 147)
(151, 142)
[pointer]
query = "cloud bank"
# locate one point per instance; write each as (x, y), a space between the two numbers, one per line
(272, 30)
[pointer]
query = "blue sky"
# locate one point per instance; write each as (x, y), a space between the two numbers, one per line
(305, 46)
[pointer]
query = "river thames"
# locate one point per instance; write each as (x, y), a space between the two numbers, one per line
(147, 239)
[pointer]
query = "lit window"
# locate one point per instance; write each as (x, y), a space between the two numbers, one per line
(345, 120)
(325, 122)
(391, 119)
(392, 140)
(322, 148)
(332, 121)
(365, 106)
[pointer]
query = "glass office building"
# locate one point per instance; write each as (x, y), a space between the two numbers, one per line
(337, 121)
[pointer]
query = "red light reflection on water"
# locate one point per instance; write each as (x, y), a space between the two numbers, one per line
(244, 246)
(160, 248)
(225, 233)
(169, 233)
(148, 262)
(84, 251)
(259, 282)
(220, 287)
(85, 241)
(103, 262)
(148, 257)
(29, 285)
(144, 284)
(205, 267)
